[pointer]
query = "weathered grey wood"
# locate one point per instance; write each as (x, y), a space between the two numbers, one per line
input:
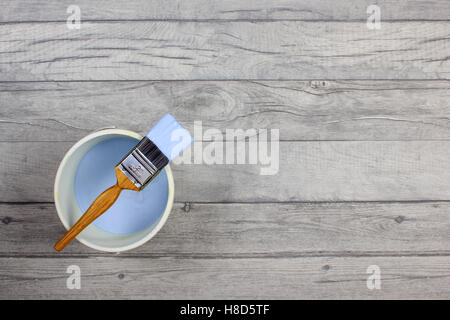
(239, 230)
(47, 10)
(143, 50)
(263, 248)
(167, 278)
(308, 171)
(303, 110)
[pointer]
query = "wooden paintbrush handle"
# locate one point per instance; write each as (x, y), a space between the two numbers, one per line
(97, 208)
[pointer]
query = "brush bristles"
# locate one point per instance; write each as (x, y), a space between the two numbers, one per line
(150, 151)
(143, 163)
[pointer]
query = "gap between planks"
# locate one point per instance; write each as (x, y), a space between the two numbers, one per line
(221, 256)
(262, 202)
(219, 21)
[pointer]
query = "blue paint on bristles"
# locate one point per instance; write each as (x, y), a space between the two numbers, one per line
(170, 137)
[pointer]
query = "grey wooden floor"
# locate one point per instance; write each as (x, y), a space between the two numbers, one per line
(364, 119)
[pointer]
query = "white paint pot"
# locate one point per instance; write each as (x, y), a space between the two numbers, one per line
(69, 211)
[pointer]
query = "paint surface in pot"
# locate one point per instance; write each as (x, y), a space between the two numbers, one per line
(133, 211)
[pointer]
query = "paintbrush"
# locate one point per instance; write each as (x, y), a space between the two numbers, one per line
(164, 141)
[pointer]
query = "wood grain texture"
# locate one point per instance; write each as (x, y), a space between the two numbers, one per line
(303, 110)
(167, 278)
(55, 10)
(308, 171)
(288, 50)
(363, 118)
(238, 230)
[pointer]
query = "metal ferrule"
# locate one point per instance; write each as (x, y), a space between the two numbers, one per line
(143, 163)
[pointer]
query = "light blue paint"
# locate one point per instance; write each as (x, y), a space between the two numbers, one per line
(133, 211)
(170, 137)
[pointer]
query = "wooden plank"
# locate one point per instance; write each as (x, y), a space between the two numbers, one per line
(308, 171)
(238, 230)
(304, 110)
(167, 278)
(45, 10)
(162, 50)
